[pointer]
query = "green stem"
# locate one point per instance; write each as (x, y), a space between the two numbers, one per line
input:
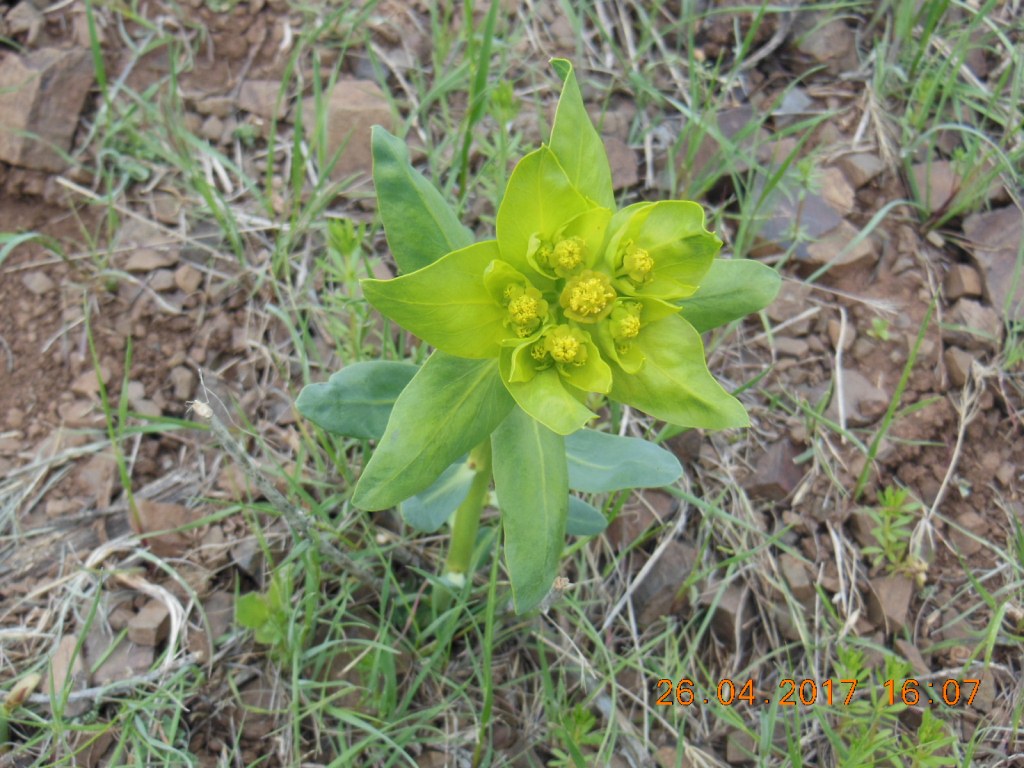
(467, 516)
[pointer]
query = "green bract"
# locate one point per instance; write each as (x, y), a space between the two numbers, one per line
(571, 298)
(572, 301)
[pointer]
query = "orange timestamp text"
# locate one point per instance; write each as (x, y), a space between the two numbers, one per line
(808, 692)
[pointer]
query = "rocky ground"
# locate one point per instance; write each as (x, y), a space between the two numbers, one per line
(891, 359)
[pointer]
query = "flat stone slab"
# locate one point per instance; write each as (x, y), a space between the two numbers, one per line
(41, 97)
(995, 244)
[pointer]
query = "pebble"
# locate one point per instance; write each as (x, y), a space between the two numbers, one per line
(962, 280)
(863, 401)
(994, 242)
(791, 347)
(835, 328)
(212, 128)
(889, 601)
(973, 326)
(162, 281)
(1005, 474)
(148, 260)
(188, 278)
(958, 365)
(776, 475)
(38, 283)
(150, 625)
(861, 167)
(794, 571)
(183, 382)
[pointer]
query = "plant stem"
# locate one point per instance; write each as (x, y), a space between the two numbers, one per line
(467, 516)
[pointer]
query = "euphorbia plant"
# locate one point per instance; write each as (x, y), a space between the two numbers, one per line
(570, 303)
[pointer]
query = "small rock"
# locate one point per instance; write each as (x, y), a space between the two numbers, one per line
(912, 654)
(652, 507)
(162, 281)
(148, 408)
(183, 382)
(837, 190)
(15, 418)
(659, 594)
(831, 43)
(995, 241)
(794, 106)
(68, 671)
(728, 610)
(775, 474)
(793, 299)
(87, 383)
(135, 391)
(61, 507)
(962, 280)
(936, 183)
(973, 326)
(703, 164)
(148, 260)
(967, 537)
(150, 625)
(166, 207)
(842, 249)
(212, 128)
(958, 365)
(787, 214)
(794, 571)
(889, 601)
(259, 97)
(126, 660)
(155, 516)
(791, 347)
(42, 93)
(863, 401)
(147, 247)
(1005, 474)
(861, 167)
(95, 479)
(669, 757)
(37, 283)
(623, 162)
(188, 278)
(740, 747)
(353, 107)
(24, 18)
(219, 106)
(79, 414)
(227, 135)
(835, 328)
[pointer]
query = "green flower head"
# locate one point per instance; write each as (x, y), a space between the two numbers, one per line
(573, 297)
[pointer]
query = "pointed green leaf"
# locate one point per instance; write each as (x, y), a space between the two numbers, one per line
(600, 463)
(427, 510)
(357, 400)
(531, 482)
(732, 288)
(576, 142)
(446, 304)
(546, 399)
(674, 383)
(584, 519)
(450, 405)
(420, 225)
(539, 200)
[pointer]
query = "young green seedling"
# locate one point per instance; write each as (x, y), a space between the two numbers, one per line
(570, 302)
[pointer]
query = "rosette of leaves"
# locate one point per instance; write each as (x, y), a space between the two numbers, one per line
(572, 301)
